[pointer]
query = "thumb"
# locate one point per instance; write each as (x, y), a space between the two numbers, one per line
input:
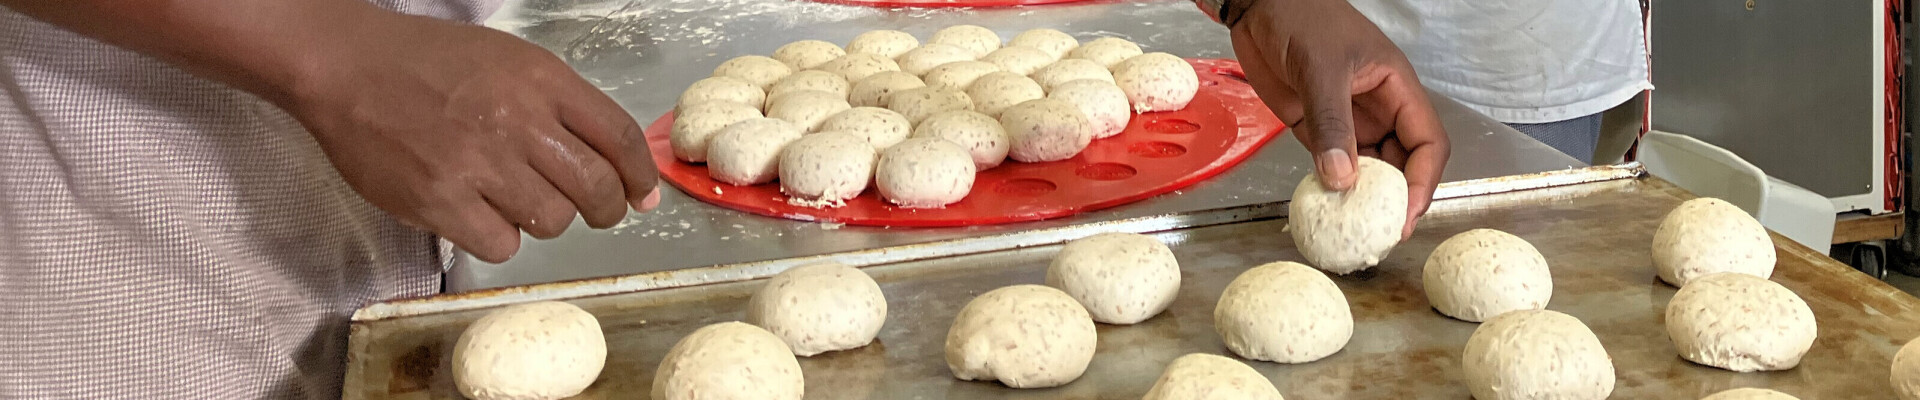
(1329, 121)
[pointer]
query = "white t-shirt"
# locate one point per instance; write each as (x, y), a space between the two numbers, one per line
(1522, 61)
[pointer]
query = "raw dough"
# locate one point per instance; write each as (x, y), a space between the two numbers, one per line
(822, 307)
(1536, 354)
(1740, 322)
(857, 66)
(807, 108)
(825, 169)
(959, 74)
(763, 71)
(878, 88)
(748, 152)
(1019, 60)
(722, 88)
(993, 93)
(1157, 82)
(1481, 273)
(924, 173)
(729, 361)
(1068, 70)
(1351, 231)
(694, 126)
(1046, 130)
(983, 137)
(543, 350)
(1104, 104)
(1122, 278)
(1201, 376)
(974, 38)
(1906, 371)
(880, 127)
(1750, 394)
(1025, 336)
(1708, 235)
(1107, 51)
(1054, 42)
(809, 80)
(885, 43)
(1283, 312)
(807, 54)
(926, 58)
(918, 104)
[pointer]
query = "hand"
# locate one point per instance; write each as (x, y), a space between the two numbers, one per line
(1345, 89)
(471, 133)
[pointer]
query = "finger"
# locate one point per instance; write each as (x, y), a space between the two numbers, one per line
(609, 130)
(1392, 152)
(528, 200)
(465, 219)
(651, 202)
(582, 175)
(1273, 91)
(1417, 129)
(1327, 91)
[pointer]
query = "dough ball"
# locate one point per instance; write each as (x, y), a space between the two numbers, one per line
(919, 61)
(1019, 60)
(1104, 104)
(974, 38)
(1750, 394)
(878, 88)
(1536, 354)
(1906, 371)
(1025, 336)
(993, 93)
(1069, 70)
(885, 43)
(822, 307)
(1054, 42)
(542, 350)
(1107, 51)
(1200, 376)
(918, 104)
(825, 169)
(1343, 232)
(983, 137)
(1283, 312)
(1157, 82)
(729, 360)
(1046, 130)
(880, 127)
(1481, 273)
(1707, 235)
(763, 71)
(807, 108)
(807, 54)
(959, 74)
(694, 126)
(924, 173)
(857, 66)
(809, 80)
(722, 88)
(1122, 278)
(748, 152)
(1740, 322)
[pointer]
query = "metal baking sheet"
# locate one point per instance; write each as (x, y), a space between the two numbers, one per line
(1596, 237)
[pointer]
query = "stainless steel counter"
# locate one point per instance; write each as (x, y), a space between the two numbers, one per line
(644, 52)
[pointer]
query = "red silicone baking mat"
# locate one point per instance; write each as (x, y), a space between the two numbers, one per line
(945, 3)
(1159, 152)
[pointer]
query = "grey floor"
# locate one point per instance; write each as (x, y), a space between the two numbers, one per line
(1908, 284)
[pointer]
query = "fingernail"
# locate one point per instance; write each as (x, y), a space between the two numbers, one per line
(1335, 166)
(651, 202)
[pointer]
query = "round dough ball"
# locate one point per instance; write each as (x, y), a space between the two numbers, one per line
(825, 169)
(880, 127)
(983, 137)
(763, 71)
(885, 43)
(993, 93)
(822, 307)
(878, 88)
(807, 54)
(1707, 235)
(807, 108)
(974, 38)
(1750, 394)
(729, 360)
(1906, 371)
(1025, 336)
(926, 58)
(1069, 70)
(722, 88)
(1157, 82)
(1019, 60)
(748, 152)
(1343, 232)
(1481, 273)
(1107, 51)
(1104, 104)
(918, 104)
(809, 80)
(542, 350)
(959, 74)
(1740, 322)
(1054, 42)
(1536, 354)
(1283, 312)
(1122, 278)
(924, 173)
(857, 66)
(694, 126)
(1045, 130)
(1200, 376)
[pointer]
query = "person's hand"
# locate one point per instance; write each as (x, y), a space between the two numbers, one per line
(471, 133)
(1345, 89)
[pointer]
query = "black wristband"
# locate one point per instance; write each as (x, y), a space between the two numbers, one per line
(1231, 11)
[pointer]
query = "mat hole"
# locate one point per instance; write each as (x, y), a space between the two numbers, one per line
(1106, 171)
(1025, 187)
(1157, 149)
(1171, 125)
